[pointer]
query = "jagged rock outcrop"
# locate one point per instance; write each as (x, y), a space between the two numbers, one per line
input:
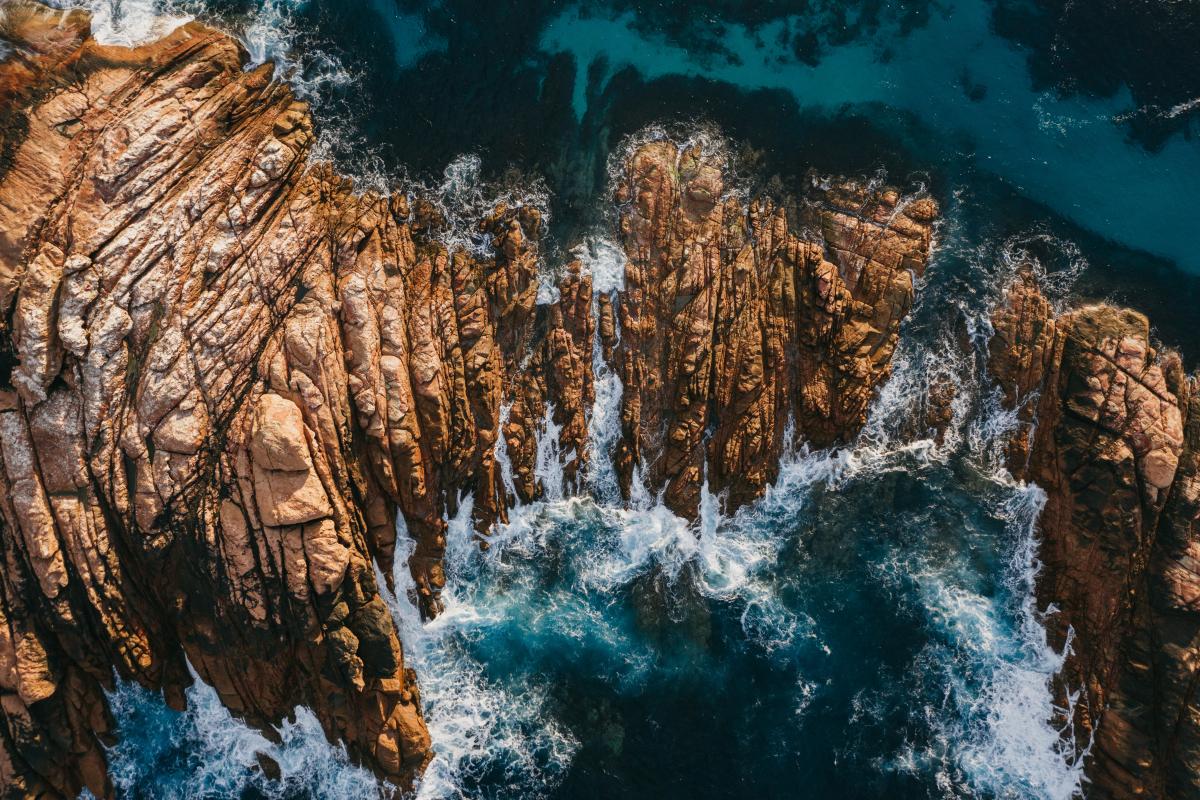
(1111, 434)
(224, 372)
(732, 325)
(182, 475)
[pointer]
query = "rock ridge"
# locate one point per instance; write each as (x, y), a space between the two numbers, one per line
(1110, 431)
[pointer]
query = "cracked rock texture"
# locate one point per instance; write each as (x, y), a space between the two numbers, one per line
(224, 373)
(1111, 431)
(734, 329)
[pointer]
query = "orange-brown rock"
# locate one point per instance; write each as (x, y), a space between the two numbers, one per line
(732, 325)
(224, 373)
(1019, 354)
(182, 478)
(1114, 447)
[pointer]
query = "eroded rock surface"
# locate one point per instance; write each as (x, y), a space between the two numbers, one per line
(732, 326)
(1111, 435)
(183, 479)
(225, 372)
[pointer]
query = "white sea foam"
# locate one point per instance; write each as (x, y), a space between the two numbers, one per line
(130, 23)
(1155, 110)
(710, 511)
(548, 466)
(271, 34)
(548, 293)
(995, 736)
(1179, 109)
(501, 453)
(992, 735)
(712, 145)
(475, 723)
(1013, 743)
(221, 752)
(603, 433)
(992, 729)
(604, 260)
(464, 198)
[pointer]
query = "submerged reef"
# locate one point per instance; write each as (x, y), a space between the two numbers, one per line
(225, 370)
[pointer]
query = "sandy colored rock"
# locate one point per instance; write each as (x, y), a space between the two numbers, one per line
(224, 372)
(179, 478)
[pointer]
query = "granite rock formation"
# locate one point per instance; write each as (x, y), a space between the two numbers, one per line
(224, 373)
(1110, 432)
(735, 329)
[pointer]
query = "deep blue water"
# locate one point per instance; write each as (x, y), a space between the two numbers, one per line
(868, 629)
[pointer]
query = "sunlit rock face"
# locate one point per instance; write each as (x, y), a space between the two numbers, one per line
(1112, 438)
(183, 477)
(736, 329)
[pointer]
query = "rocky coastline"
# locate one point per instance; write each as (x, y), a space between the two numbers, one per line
(225, 371)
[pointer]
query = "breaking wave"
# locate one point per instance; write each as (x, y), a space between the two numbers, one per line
(463, 197)
(207, 754)
(131, 23)
(269, 32)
